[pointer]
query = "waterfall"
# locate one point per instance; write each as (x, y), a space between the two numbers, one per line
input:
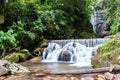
(72, 52)
(98, 20)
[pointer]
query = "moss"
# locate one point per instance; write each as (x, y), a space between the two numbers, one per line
(17, 57)
(14, 58)
(25, 51)
(21, 55)
(107, 54)
(108, 46)
(37, 50)
(43, 44)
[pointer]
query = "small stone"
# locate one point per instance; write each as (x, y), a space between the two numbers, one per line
(86, 78)
(101, 77)
(109, 76)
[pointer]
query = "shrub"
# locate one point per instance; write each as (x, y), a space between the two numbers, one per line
(7, 40)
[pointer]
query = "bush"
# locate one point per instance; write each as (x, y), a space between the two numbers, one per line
(7, 40)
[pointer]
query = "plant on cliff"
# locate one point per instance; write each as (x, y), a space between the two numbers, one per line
(107, 54)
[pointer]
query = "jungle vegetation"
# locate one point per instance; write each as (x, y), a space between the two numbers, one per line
(28, 22)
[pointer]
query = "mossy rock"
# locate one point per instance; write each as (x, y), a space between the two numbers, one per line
(25, 51)
(22, 57)
(14, 58)
(107, 54)
(37, 50)
(19, 56)
(43, 44)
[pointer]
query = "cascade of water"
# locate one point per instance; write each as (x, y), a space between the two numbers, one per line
(72, 52)
(98, 20)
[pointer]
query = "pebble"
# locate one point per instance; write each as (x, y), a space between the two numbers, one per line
(109, 76)
(86, 78)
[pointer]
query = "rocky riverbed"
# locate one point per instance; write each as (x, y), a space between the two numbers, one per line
(38, 72)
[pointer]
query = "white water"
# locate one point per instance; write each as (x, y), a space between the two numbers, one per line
(79, 54)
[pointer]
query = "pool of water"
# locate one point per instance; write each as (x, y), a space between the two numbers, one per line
(61, 66)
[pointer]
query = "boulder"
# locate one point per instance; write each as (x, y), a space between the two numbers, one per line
(12, 68)
(65, 56)
(17, 68)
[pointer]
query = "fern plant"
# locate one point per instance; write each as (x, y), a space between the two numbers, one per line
(7, 40)
(22, 34)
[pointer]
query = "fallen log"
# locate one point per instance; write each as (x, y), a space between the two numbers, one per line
(85, 71)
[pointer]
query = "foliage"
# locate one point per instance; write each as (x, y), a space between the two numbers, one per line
(113, 15)
(21, 34)
(52, 18)
(7, 40)
(35, 20)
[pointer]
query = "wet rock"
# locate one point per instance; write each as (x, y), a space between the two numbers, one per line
(65, 56)
(109, 76)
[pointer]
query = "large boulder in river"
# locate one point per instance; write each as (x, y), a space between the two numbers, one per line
(64, 56)
(107, 54)
(7, 67)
